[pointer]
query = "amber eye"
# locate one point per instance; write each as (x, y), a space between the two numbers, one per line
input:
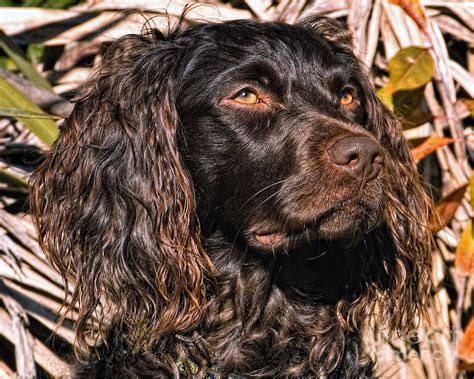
(346, 97)
(246, 97)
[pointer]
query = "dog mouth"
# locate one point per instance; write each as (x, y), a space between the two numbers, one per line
(344, 224)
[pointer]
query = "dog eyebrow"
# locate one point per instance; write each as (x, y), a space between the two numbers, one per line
(258, 73)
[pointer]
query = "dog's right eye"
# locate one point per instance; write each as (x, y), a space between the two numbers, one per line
(246, 97)
(346, 97)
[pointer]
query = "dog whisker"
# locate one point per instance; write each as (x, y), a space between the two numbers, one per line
(250, 215)
(260, 191)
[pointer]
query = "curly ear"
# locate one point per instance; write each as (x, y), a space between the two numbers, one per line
(329, 28)
(115, 208)
(406, 241)
(392, 267)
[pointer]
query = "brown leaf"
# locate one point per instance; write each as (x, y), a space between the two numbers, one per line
(413, 9)
(430, 145)
(446, 208)
(417, 141)
(466, 346)
(464, 260)
(470, 105)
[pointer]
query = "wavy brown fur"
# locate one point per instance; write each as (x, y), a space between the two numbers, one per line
(150, 199)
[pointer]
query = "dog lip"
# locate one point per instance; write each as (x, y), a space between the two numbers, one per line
(270, 239)
(271, 236)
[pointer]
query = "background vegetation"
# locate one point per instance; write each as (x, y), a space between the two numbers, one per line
(421, 56)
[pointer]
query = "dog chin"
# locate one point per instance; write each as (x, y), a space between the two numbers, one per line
(347, 227)
(342, 232)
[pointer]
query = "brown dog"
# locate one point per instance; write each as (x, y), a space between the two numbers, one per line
(234, 199)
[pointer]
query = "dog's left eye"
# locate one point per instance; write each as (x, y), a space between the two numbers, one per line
(346, 97)
(246, 97)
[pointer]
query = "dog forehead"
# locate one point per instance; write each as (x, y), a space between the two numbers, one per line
(230, 44)
(240, 50)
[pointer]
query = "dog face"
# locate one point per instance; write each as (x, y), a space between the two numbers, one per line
(278, 137)
(268, 135)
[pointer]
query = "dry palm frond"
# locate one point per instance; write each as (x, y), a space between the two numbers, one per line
(31, 292)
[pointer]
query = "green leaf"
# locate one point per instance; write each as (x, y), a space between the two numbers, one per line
(7, 63)
(55, 4)
(385, 97)
(406, 103)
(13, 112)
(416, 118)
(46, 130)
(34, 52)
(409, 71)
(411, 68)
(12, 179)
(15, 53)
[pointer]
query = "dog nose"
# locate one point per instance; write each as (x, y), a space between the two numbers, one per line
(359, 156)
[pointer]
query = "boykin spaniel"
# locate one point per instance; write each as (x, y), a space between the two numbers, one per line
(233, 199)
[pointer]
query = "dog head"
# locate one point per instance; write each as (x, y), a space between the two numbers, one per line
(280, 135)
(269, 133)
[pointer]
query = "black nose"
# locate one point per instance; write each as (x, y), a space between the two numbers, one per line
(359, 156)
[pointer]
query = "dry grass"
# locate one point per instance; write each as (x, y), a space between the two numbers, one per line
(31, 292)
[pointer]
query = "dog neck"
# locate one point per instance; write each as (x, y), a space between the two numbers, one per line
(318, 273)
(275, 298)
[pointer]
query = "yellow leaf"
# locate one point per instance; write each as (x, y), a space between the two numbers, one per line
(470, 105)
(386, 98)
(21, 113)
(464, 261)
(12, 179)
(10, 97)
(15, 53)
(411, 68)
